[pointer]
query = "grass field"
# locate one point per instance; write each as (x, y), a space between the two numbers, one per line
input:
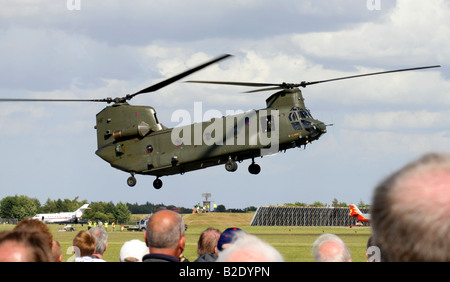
(293, 242)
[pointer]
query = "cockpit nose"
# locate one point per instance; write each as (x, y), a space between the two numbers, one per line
(322, 127)
(319, 129)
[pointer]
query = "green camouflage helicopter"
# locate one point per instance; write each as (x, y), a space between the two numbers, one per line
(130, 138)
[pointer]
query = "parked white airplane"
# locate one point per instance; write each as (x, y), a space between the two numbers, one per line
(62, 217)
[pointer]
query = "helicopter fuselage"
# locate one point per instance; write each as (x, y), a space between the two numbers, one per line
(131, 139)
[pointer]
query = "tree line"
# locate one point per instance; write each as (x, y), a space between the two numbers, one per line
(335, 203)
(22, 207)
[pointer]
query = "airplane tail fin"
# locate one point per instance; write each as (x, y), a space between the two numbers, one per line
(354, 211)
(83, 208)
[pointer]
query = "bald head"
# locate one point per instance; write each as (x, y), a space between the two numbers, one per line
(164, 230)
(330, 248)
(424, 191)
(331, 251)
(410, 211)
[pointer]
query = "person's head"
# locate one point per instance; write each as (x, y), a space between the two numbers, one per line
(133, 251)
(410, 211)
(227, 237)
(56, 251)
(165, 233)
(24, 246)
(35, 225)
(84, 244)
(248, 248)
(101, 239)
(330, 248)
(207, 241)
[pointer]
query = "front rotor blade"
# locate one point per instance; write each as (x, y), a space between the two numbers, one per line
(284, 85)
(177, 77)
(264, 89)
(304, 84)
(251, 84)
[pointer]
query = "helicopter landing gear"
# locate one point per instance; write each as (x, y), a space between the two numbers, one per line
(157, 183)
(254, 168)
(131, 181)
(231, 165)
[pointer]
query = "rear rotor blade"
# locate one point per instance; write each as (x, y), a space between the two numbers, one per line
(130, 96)
(177, 77)
(107, 100)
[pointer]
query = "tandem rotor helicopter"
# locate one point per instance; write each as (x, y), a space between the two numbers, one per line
(130, 138)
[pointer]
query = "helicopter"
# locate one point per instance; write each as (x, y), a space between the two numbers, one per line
(131, 139)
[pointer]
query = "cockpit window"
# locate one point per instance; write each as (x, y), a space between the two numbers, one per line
(304, 114)
(296, 125)
(293, 116)
(307, 125)
(297, 118)
(297, 113)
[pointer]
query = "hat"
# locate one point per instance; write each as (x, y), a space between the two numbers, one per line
(133, 250)
(227, 237)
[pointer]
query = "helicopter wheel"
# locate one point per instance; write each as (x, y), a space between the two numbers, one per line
(157, 183)
(254, 168)
(131, 181)
(231, 165)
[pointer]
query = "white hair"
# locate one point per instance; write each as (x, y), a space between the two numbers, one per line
(249, 248)
(339, 252)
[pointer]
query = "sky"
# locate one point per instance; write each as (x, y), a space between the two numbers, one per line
(97, 49)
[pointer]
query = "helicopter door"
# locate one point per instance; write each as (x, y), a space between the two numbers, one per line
(151, 153)
(161, 152)
(266, 123)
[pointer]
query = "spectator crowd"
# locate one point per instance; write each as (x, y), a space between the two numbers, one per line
(410, 211)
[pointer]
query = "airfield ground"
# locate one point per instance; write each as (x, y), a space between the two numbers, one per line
(293, 242)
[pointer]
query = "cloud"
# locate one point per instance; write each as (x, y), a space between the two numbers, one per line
(35, 59)
(112, 48)
(399, 121)
(411, 32)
